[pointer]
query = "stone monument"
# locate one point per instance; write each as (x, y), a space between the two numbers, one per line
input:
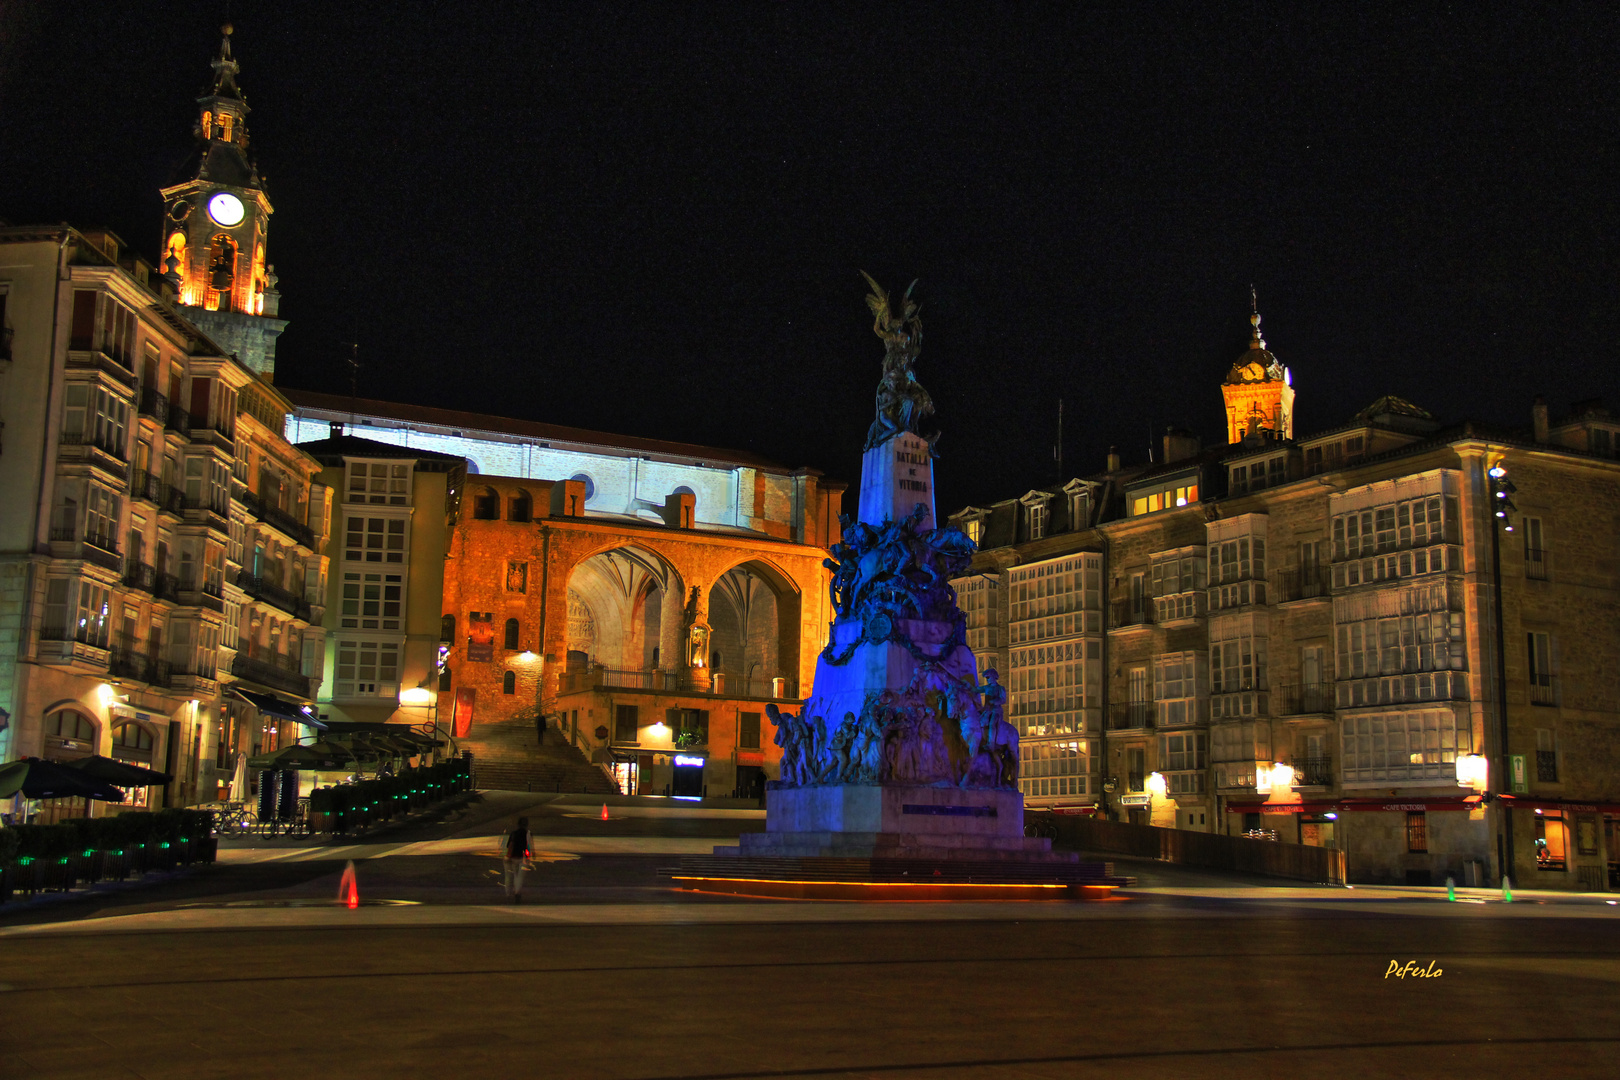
(900, 752)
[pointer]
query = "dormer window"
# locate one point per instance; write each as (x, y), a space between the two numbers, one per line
(974, 527)
(1037, 520)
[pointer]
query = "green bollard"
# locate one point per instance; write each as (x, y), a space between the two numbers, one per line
(1451, 889)
(1507, 889)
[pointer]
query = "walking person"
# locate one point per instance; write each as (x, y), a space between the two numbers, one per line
(517, 848)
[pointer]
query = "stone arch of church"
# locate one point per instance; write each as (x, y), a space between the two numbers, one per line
(755, 624)
(625, 609)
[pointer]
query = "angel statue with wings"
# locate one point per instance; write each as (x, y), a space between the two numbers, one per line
(902, 403)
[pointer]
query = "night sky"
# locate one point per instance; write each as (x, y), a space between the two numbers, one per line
(649, 218)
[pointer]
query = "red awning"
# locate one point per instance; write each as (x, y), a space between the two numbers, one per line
(1522, 802)
(750, 757)
(1463, 802)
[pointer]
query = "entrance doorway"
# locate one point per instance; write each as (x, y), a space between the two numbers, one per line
(750, 782)
(688, 782)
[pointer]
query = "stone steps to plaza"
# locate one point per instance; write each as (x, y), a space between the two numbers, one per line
(508, 757)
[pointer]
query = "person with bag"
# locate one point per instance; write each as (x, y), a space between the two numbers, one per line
(516, 851)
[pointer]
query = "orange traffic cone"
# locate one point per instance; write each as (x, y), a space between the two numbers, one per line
(604, 812)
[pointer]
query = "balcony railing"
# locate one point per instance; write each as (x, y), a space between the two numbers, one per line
(276, 517)
(1543, 690)
(154, 404)
(83, 633)
(1547, 766)
(279, 674)
(1296, 699)
(1295, 585)
(672, 681)
(1131, 613)
(101, 441)
(103, 551)
(179, 420)
(127, 661)
(271, 593)
(1130, 715)
(1535, 564)
(1313, 772)
(139, 575)
(167, 587)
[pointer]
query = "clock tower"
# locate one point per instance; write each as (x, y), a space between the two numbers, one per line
(1259, 391)
(214, 229)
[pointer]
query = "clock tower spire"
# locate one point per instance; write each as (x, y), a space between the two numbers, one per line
(1259, 391)
(215, 225)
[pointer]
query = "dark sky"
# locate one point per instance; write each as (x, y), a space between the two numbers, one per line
(649, 218)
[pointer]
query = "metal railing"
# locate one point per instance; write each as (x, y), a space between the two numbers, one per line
(1295, 699)
(1547, 766)
(127, 661)
(139, 575)
(99, 440)
(271, 593)
(154, 404)
(279, 674)
(1543, 690)
(1314, 772)
(1131, 613)
(178, 420)
(1535, 564)
(1303, 584)
(572, 682)
(1130, 715)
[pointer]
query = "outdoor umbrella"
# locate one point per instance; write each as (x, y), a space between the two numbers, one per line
(238, 792)
(121, 773)
(335, 753)
(291, 759)
(51, 780)
(12, 776)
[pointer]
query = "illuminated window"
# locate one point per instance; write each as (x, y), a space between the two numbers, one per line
(1404, 746)
(1417, 832)
(366, 668)
(1054, 769)
(1552, 841)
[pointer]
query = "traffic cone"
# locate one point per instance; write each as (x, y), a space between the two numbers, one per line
(604, 812)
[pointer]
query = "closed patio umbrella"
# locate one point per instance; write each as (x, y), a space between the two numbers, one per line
(238, 792)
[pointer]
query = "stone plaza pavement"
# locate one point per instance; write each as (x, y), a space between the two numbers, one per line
(252, 970)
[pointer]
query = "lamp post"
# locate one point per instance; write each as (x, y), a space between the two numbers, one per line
(1501, 504)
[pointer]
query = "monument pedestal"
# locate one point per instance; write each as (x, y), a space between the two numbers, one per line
(895, 821)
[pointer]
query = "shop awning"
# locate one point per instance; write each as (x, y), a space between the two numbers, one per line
(270, 705)
(1524, 802)
(1394, 804)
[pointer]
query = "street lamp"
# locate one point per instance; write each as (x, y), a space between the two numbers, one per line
(1502, 489)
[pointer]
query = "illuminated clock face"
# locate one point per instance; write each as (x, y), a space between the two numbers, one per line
(225, 209)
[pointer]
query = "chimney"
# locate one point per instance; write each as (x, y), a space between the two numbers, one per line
(1113, 459)
(1538, 418)
(1179, 444)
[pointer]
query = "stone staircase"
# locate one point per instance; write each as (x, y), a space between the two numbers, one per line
(506, 757)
